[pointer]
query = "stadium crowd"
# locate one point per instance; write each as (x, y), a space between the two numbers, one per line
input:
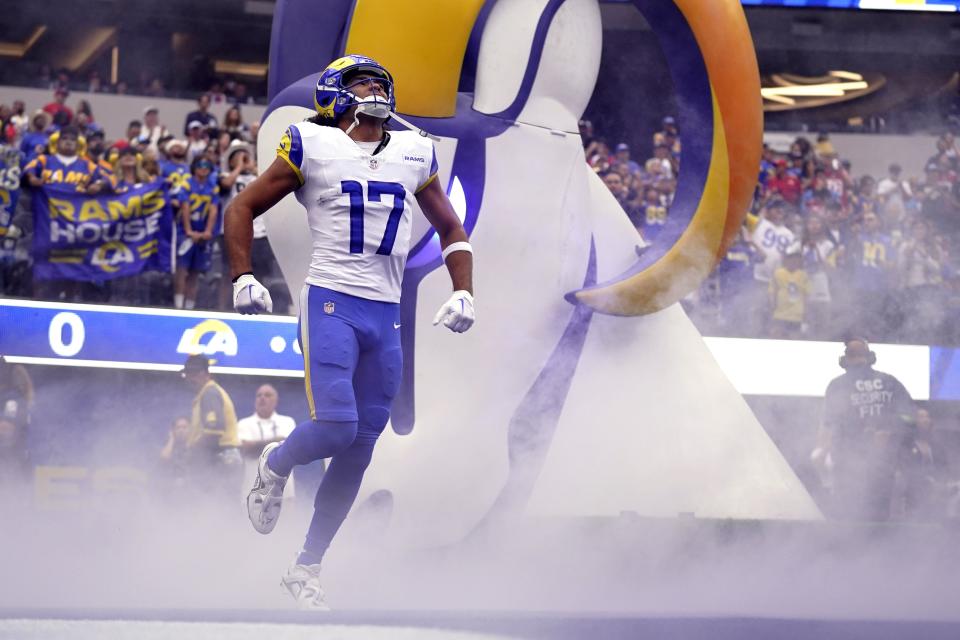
(198, 172)
(821, 249)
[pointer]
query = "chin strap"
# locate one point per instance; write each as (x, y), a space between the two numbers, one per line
(356, 121)
(376, 110)
(414, 128)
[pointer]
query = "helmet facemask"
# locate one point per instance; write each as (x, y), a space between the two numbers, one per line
(334, 93)
(374, 105)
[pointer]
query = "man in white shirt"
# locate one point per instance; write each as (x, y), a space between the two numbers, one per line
(152, 130)
(261, 428)
(894, 191)
(772, 237)
(265, 425)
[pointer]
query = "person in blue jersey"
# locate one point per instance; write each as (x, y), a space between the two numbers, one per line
(65, 166)
(358, 183)
(199, 209)
(34, 141)
(872, 259)
(174, 169)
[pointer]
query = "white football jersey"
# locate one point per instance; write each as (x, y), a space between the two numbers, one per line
(359, 206)
(773, 240)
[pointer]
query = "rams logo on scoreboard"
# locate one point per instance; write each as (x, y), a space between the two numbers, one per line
(208, 338)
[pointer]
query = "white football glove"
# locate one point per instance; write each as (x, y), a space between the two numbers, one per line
(249, 296)
(457, 312)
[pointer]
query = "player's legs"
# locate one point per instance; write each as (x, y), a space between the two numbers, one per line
(330, 349)
(376, 382)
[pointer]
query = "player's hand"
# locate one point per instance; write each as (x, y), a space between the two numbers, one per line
(251, 297)
(456, 313)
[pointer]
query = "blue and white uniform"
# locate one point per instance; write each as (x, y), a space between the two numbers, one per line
(359, 205)
(359, 208)
(359, 199)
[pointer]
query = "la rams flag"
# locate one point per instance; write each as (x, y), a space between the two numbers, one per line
(93, 238)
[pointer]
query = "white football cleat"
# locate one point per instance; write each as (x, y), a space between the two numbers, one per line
(302, 581)
(266, 497)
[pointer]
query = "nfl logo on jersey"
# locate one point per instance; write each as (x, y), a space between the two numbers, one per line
(374, 163)
(328, 307)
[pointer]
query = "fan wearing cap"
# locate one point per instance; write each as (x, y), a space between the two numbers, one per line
(212, 442)
(622, 154)
(174, 168)
(868, 418)
(198, 137)
(199, 208)
(669, 136)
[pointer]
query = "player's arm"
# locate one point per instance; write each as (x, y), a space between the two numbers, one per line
(457, 313)
(265, 191)
(261, 194)
(440, 214)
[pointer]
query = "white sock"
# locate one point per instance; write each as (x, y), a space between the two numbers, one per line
(189, 304)
(178, 300)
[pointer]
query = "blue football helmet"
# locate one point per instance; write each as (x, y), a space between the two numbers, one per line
(333, 96)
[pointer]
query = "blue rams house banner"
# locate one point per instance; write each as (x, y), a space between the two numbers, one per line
(82, 237)
(9, 193)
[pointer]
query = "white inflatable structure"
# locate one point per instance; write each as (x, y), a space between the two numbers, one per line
(544, 407)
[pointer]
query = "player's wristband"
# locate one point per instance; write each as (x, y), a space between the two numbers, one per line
(456, 246)
(245, 273)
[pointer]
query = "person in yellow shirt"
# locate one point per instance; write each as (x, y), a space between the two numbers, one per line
(212, 448)
(789, 289)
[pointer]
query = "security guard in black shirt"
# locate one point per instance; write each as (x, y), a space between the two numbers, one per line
(867, 424)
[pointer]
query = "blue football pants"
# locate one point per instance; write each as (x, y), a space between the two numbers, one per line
(352, 366)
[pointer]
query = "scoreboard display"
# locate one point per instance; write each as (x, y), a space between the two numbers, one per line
(943, 6)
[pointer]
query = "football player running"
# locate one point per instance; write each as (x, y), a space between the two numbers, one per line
(358, 183)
